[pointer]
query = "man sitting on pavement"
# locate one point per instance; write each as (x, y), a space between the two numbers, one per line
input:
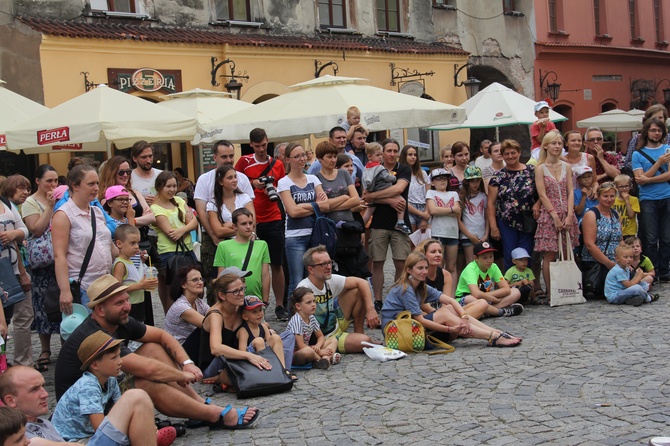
(339, 300)
(152, 367)
(130, 421)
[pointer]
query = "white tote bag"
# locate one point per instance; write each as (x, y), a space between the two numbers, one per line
(565, 276)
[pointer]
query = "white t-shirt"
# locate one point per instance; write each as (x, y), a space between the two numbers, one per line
(417, 191)
(297, 227)
(482, 162)
(204, 187)
(145, 186)
(336, 284)
(241, 201)
(474, 215)
(444, 225)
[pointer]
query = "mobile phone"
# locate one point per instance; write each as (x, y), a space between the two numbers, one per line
(667, 150)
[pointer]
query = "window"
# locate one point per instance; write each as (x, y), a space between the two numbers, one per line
(600, 18)
(127, 6)
(446, 4)
(332, 13)
(233, 10)
(508, 6)
(388, 15)
(632, 13)
(596, 16)
(553, 24)
(658, 21)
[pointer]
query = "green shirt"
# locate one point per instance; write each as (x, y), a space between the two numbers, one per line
(233, 253)
(485, 280)
(514, 275)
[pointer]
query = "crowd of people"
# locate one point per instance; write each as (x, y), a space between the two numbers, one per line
(469, 240)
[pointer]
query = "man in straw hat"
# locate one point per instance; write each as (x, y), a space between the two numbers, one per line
(153, 366)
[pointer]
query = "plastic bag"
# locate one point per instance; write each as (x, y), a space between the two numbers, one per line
(381, 353)
(418, 236)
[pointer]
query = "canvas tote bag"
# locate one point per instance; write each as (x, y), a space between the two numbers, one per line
(565, 276)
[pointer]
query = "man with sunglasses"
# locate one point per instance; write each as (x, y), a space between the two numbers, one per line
(340, 301)
(607, 164)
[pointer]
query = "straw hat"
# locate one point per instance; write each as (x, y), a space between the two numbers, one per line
(94, 345)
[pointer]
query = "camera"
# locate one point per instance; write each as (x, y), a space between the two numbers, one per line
(270, 187)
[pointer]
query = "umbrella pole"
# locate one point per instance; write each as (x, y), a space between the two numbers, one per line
(109, 149)
(497, 134)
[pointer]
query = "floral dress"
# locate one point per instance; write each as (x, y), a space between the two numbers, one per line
(516, 194)
(546, 235)
(608, 236)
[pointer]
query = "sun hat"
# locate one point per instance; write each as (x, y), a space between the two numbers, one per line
(70, 322)
(93, 345)
(439, 172)
(520, 253)
(472, 172)
(540, 105)
(59, 192)
(102, 289)
(115, 191)
(235, 270)
(251, 302)
(483, 248)
(581, 170)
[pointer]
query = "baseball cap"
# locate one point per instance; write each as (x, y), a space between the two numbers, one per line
(581, 170)
(483, 247)
(472, 172)
(540, 105)
(70, 322)
(235, 270)
(102, 289)
(439, 172)
(93, 346)
(251, 302)
(59, 192)
(520, 253)
(115, 191)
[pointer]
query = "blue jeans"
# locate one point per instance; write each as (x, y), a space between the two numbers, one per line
(295, 248)
(655, 233)
(512, 239)
(639, 289)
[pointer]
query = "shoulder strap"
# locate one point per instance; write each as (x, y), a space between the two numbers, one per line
(248, 256)
(5, 200)
(268, 169)
(317, 212)
(89, 250)
(651, 160)
(442, 347)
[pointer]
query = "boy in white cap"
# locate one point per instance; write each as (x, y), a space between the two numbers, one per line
(541, 127)
(520, 276)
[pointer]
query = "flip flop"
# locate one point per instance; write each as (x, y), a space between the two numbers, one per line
(41, 360)
(241, 424)
(494, 342)
(293, 377)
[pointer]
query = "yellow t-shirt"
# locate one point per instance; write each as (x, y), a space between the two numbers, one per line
(628, 225)
(165, 245)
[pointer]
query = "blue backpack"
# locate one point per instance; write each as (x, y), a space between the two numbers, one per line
(324, 232)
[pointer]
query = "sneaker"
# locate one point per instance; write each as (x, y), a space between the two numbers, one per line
(378, 306)
(512, 310)
(402, 227)
(336, 358)
(635, 301)
(281, 314)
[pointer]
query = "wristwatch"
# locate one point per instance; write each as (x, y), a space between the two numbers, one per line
(187, 362)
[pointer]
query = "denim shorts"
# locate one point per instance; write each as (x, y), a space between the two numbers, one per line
(108, 435)
(448, 241)
(415, 219)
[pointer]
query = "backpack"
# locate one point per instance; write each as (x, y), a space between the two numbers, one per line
(324, 232)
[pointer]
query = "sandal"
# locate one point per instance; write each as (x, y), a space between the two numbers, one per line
(166, 436)
(44, 360)
(655, 297)
(241, 424)
(293, 377)
(41, 367)
(494, 342)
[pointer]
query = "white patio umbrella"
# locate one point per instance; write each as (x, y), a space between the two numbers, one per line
(316, 106)
(498, 106)
(205, 106)
(15, 109)
(614, 121)
(95, 120)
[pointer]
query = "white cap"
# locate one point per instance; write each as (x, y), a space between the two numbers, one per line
(581, 170)
(519, 253)
(540, 105)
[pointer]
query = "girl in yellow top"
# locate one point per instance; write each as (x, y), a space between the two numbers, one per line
(174, 222)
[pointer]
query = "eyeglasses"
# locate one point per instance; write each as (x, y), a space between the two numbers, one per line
(323, 264)
(301, 156)
(122, 200)
(197, 280)
(594, 140)
(237, 292)
(123, 173)
(625, 186)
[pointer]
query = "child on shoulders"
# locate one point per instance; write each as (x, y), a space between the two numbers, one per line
(310, 343)
(625, 285)
(353, 121)
(541, 127)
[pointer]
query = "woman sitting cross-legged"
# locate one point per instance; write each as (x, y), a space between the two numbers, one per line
(410, 293)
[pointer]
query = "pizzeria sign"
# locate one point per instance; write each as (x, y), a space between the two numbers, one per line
(147, 80)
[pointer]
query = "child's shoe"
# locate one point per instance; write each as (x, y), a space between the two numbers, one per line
(402, 227)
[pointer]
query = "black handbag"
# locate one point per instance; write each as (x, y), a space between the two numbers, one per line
(593, 279)
(10, 284)
(250, 381)
(182, 258)
(52, 297)
(528, 222)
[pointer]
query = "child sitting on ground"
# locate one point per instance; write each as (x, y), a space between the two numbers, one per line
(521, 277)
(626, 206)
(12, 427)
(625, 285)
(310, 343)
(375, 178)
(124, 269)
(584, 185)
(482, 279)
(640, 260)
(254, 334)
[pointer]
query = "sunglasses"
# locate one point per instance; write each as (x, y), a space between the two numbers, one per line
(123, 173)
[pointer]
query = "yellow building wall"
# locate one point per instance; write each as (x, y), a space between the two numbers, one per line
(270, 69)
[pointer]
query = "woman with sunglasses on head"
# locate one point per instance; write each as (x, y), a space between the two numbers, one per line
(184, 318)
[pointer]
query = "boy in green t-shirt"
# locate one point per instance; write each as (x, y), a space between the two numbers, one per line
(520, 276)
(233, 252)
(482, 279)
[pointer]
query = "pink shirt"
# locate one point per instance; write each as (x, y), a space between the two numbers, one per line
(80, 237)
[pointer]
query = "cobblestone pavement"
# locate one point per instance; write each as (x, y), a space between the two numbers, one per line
(545, 391)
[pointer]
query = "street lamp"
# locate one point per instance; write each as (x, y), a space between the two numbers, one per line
(666, 91)
(233, 86)
(553, 89)
(471, 84)
(643, 90)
